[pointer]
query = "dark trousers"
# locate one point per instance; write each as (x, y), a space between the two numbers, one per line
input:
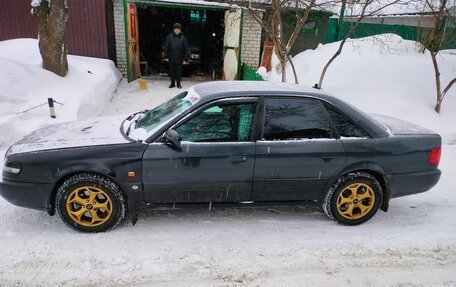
(175, 71)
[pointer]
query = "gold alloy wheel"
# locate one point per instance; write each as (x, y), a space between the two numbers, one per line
(89, 206)
(355, 201)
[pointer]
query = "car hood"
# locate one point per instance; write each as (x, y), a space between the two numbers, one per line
(98, 131)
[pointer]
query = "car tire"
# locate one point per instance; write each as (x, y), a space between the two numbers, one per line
(353, 199)
(89, 202)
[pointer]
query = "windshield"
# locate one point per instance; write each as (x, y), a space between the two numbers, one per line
(152, 119)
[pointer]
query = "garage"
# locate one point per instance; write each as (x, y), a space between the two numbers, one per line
(213, 32)
(204, 32)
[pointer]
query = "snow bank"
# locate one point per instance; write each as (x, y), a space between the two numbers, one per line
(383, 74)
(88, 87)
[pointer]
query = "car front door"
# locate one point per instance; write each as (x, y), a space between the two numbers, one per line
(215, 161)
(298, 150)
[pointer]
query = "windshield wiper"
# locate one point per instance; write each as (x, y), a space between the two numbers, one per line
(130, 117)
(134, 114)
(129, 126)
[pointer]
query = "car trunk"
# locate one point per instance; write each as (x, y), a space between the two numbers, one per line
(400, 127)
(423, 144)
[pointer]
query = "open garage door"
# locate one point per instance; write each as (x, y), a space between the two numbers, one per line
(232, 44)
(204, 29)
(213, 34)
(132, 42)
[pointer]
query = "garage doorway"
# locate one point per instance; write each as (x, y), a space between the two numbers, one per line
(204, 30)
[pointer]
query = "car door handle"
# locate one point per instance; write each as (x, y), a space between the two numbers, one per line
(328, 158)
(237, 158)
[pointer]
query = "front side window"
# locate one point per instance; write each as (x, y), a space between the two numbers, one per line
(220, 123)
(291, 119)
(343, 124)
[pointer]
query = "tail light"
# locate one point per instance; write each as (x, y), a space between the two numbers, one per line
(434, 157)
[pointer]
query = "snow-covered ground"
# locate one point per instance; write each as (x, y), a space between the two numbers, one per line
(411, 245)
(24, 84)
(131, 99)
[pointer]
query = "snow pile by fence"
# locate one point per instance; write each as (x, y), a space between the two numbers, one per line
(383, 74)
(88, 87)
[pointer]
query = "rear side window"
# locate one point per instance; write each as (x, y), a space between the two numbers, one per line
(343, 124)
(289, 119)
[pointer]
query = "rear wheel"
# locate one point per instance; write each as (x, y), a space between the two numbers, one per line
(90, 203)
(353, 199)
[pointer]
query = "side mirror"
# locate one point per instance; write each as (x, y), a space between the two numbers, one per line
(172, 137)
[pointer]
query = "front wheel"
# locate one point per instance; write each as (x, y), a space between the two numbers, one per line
(353, 199)
(90, 203)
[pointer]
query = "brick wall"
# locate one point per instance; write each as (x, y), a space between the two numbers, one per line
(121, 54)
(251, 41)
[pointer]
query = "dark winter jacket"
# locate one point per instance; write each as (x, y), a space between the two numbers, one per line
(176, 48)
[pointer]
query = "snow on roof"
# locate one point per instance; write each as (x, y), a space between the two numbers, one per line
(196, 3)
(36, 3)
(319, 5)
(391, 7)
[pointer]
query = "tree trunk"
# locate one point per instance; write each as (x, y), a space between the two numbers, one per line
(284, 71)
(280, 56)
(293, 69)
(338, 52)
(437, 107)
(437, 81)
(349, 33)
(51, 18)
(341, 45)
(443, 94)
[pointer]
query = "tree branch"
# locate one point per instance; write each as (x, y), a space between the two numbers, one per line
(447, 88)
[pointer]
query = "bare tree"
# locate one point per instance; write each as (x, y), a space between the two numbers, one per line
(433, 42)
(273, 22)
(51, 17)
(360, 9)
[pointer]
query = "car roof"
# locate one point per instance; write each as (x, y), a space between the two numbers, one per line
(224, 89)
(240, 88)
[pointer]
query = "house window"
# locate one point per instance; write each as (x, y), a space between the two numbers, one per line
(310, 25)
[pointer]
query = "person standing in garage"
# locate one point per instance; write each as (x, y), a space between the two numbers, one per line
(176, 52)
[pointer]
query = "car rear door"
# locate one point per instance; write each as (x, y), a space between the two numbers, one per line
(297, 152)
(215, 161)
